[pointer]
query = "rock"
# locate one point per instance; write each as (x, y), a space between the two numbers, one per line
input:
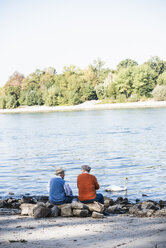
(78, 205)
(119, 199)
(114, 209)
(9, 211)
(11, 193)
(27, 209)
(49, 205)
(81, 212)
(161, 212)
(27, 199)
(107, 203)
(134, 209)
(149, 205)
(141, 213)
(42, 198)
(95, 206)
(162, 204)
(97, 215)
(40, 211)
(55, 211)
(66, 210)
(2, 203)
(150, 213)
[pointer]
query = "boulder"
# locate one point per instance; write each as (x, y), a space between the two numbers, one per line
(134, 209)
(27, 209)
(114, 209)
(161, 212)
(27, 199)
(78, 205)
(107, 203)
(97, 215)
(95, 206)
(66, 210)
(40, 211)
(150, 213)
(149, 205)
(2, 203)
(81, 212)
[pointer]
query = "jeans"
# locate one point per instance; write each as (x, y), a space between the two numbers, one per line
(68, 199)
(99, 198)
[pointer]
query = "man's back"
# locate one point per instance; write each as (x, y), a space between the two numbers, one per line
(56, 189)
(87, 185)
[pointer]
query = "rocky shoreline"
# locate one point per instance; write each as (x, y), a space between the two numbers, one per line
(34, 222)
(40, 207)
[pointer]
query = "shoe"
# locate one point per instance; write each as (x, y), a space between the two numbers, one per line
(106, 213)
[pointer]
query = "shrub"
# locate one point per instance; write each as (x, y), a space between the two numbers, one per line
(2, 102)
(121, 98)
(159, 93)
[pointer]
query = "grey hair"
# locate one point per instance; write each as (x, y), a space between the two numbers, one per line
(86, 168)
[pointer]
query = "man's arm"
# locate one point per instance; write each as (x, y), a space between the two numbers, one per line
(96, 183)
(67, 189)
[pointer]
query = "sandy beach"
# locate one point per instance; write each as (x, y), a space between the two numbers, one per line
(110, 232)
(89, 105)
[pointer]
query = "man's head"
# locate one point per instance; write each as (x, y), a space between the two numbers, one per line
(60, 172)
(86, 168)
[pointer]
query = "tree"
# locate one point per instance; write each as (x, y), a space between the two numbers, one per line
(12, 94)
(126, 63)
(157, 65)
(124, 81)
(144, 80)
(162, 79)
(15, 79)
(31, 95)
(159, 93)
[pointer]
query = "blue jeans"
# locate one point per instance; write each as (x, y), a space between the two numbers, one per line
(68, 199)
(99, 198)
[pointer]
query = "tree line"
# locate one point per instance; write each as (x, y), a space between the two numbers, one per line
(129, 82)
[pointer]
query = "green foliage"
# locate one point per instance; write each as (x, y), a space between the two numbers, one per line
(124, 81)
(159, 93)
(11, 102)
(162, 79)
(126, 63)
(129, 82)
(157, 65)
(144, 80)
(111, 90)
(2, 102)
(31, 95)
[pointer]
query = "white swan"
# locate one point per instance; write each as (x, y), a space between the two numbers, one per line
(117, 188)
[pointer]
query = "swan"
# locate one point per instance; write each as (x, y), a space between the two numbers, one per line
(117, 188)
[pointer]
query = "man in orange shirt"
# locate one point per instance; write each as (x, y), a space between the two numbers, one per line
(87, 185)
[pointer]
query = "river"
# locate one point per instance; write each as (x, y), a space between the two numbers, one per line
(115, 143)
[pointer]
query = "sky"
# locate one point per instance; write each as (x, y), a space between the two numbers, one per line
(37, 34)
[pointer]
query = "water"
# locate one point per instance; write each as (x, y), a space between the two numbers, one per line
(115, 143)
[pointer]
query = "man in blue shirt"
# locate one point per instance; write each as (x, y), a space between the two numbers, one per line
(59, 191)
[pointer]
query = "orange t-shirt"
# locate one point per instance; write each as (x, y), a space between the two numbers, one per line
(87, 185)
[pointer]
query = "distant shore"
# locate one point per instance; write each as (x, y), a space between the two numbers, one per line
(89, 105)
